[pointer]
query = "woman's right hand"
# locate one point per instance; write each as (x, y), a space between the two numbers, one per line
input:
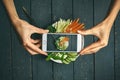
(25, 30)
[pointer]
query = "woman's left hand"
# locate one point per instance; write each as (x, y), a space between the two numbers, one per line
(102, 32)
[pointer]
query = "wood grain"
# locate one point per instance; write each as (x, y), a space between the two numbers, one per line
(5, 45)
(21, 59)
(84, 65)
(41, 12)
(17, 64)
(104, 59)
(117, 48)
(62, 9)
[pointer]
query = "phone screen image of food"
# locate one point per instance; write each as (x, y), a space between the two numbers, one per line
(61, 42)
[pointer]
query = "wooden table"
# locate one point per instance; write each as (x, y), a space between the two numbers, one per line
(17, 64)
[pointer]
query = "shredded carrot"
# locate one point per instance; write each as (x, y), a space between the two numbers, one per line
(80, 27)
(67, 29)
(77, 26)
(75, 22)
(63, 40)
(74, 26)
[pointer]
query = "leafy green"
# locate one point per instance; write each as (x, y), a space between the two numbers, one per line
(65, 57)
(51, 29)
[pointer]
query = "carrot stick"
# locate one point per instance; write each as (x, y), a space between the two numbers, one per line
(78, 28)
(74, 24)
(74, 27)
(82, 28)
(71, 25)
(67, 29)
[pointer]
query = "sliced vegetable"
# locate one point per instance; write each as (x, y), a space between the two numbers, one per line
(74, 26)
(61, 25)
(79, 27)
(74, 23)
(66, 26)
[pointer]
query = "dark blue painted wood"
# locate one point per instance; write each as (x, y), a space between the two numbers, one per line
(41, 12)
(5, 45)
(104, 59)
(62, 9)
(21, 60)
(17, 64)
(84, 66)
(117, 48)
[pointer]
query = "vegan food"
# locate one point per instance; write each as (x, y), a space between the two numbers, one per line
(62, 43)
(64, 26)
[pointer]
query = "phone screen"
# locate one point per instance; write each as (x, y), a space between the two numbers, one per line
(51, 39)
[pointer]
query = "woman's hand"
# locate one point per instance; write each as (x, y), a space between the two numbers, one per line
(102, 32)
(25, 30)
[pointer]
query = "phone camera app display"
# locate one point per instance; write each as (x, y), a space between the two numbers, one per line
(61, 42)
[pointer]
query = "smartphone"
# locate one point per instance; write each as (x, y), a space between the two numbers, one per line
(76, 42)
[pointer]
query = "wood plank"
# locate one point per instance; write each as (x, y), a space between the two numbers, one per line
(41, 12)
(21, 60)
(5, 45)
(117, 48)
(104, 59)
(62, 9)
(84, 66)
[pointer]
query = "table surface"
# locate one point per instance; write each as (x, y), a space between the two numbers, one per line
(17, 64)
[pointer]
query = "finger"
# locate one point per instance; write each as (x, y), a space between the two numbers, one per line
(92, 46)
(31, 51)
(35, 41)
(36, 49)
(38, 45)
(40, 31)
(85, 32)
(92, 51)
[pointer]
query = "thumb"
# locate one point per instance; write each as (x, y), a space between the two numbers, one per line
(40, 31)
(46, 31)
(85, 32)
